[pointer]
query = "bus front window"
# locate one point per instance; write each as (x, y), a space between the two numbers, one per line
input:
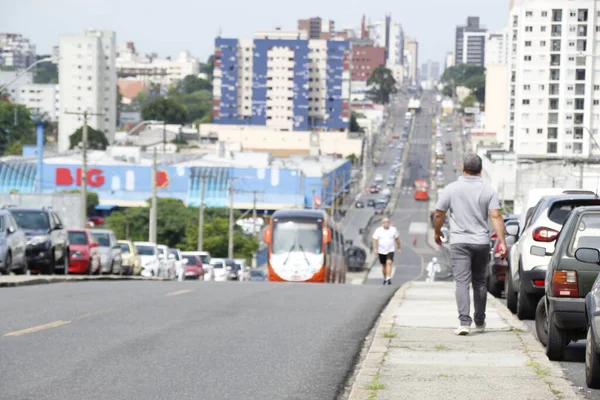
(297, 236)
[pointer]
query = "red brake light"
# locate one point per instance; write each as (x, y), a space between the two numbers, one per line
(544, 234)
(564, 284)
(538, 282)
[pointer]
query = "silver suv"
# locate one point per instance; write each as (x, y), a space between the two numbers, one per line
(110, 251)
(13, 244)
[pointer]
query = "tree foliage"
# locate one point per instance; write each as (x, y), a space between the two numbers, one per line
(46, 72)
(96, 139)
(469, 101)
(382, 84)
(354, 126)
(191, 84)
(469, 76)
(177, 226)
(16, 125)
(165, 109)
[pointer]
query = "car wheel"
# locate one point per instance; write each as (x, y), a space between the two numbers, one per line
(525, 305)
(493, 287)
(511, 296)
(557, 341)
(23, 269)
(592, 361)
(90, 270)
(541, 321)
(8, 263)
(48, 269)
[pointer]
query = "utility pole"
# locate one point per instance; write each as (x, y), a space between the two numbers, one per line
(230, 244)
(153, 207)
(201, 214)
(254, 233)
(84, 143)
(581, 169)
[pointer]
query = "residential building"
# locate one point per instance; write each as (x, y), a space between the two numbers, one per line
(470, 43)
(16, 50)
(554, 99)
(412, 48)
(424, 71)
(496, 47)
(496, 85)
(151, 69)
(317, 28)
(88, 82)
(283, 81)
(41, 99)
(14, 80)
(450, 61)
(365, 58)
(430, 71)
(390, 35)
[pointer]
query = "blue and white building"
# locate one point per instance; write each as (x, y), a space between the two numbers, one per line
(282, 81)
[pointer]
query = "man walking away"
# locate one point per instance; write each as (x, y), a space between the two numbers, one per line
(386, 241)
(469, 201)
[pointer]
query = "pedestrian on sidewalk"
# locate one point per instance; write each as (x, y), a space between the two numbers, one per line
(386, 241)
(470, 202)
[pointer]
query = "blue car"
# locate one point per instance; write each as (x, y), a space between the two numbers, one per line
(257, 275)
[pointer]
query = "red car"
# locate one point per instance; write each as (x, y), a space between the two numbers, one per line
(84, 257)
(193, 268)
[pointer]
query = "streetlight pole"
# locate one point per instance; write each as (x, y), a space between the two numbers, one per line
(19, 75)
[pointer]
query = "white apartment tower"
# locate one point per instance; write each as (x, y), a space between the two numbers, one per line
(496, 47)
(88, 81)
(554, 94)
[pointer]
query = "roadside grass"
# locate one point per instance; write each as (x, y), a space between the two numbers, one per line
(390, 335)
(537, 368)
(375, 384)
(441, 347)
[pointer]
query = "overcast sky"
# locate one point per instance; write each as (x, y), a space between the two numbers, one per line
(167, 27)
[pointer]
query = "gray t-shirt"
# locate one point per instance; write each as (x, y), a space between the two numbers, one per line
(469, 201)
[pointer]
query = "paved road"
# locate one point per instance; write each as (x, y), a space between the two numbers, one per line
(182, 340)
(411, 216)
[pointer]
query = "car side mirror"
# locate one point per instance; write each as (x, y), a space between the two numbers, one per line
(587, 255)
(539, 251)
(512, 230)
(10, 230)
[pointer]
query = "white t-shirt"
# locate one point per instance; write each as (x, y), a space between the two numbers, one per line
(386, 239)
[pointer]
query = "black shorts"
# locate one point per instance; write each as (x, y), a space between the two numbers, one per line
(384, 257)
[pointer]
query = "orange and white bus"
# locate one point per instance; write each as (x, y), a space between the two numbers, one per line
(421, 190)
(305, 246)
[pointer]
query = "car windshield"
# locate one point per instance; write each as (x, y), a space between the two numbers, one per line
(256, 274)
(192, 260)
(124, 248)
(78, 238)
(34, 220)
(102, 238)
(306, 236)
(146, 250)
(217, 264)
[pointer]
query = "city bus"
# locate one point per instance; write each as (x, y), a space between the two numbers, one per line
(421, 190)
(305, 246)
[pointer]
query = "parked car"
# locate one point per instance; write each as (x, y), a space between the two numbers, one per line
(110, 251)
(257, 275)
(560, 314)
(193, 268)
(524, 285)
(592, 315)
(371, 203)
(204, 256)
(179, 264)
(47, 239)
(244, 271)
(131, 261)
(84, 256)
(219, 270)
(359, 204)
(233, 270)
(498, 266)
(13, 245)
(167, 262)
(379, 208)
(374, 189)
(148, 252)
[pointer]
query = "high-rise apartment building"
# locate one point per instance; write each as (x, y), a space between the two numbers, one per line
(388, 34)
(317, 28)
(554, 98)
(496, 47)
(470, 43)
(40, 99)
(412, 51)
(450, 61)
(88, 82)
(283, 81)
(16, 50)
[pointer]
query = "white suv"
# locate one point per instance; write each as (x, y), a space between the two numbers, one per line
(530, 255)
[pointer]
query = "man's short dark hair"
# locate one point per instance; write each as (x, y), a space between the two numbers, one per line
(472, 164)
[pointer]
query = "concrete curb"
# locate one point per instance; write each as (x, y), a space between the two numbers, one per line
(378, 348)
(537, 354)
(70, 278)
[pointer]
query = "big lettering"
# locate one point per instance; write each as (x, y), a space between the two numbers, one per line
(64, 177)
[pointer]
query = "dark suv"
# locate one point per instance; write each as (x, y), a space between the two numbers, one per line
(47, 239)
(560, 314)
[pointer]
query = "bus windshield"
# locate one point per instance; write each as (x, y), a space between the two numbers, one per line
(306, 236)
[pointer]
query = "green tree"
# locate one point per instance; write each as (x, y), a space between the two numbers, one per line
(15, 125)
(354, 126)
(197, 104)
(191, 84)
(168, 110)
(477, 86)
(470, 76)
(46, 72)
(382, 84)
(469, 101)
(15, 148)
(208, 67)
(96, 139)
(352, 158)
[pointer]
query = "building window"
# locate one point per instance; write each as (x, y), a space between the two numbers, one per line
(527, 58)
(580, 75)
(540, 131)
(526, 102)
(552, 148)
(596, 102)
(529, 13)
(543, 29)
(528, 44)
(529, 29)
(526, 87)
(544, 13)
(542, 43)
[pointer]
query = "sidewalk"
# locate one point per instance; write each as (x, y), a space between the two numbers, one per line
(416, 355)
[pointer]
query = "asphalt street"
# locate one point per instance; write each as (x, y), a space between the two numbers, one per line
(410, 217)
(183, 340)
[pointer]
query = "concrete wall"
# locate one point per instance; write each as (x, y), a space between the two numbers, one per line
(66, 205)
(496, 100)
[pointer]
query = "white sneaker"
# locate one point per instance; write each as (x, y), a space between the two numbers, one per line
(462, 331)
(480, 328)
